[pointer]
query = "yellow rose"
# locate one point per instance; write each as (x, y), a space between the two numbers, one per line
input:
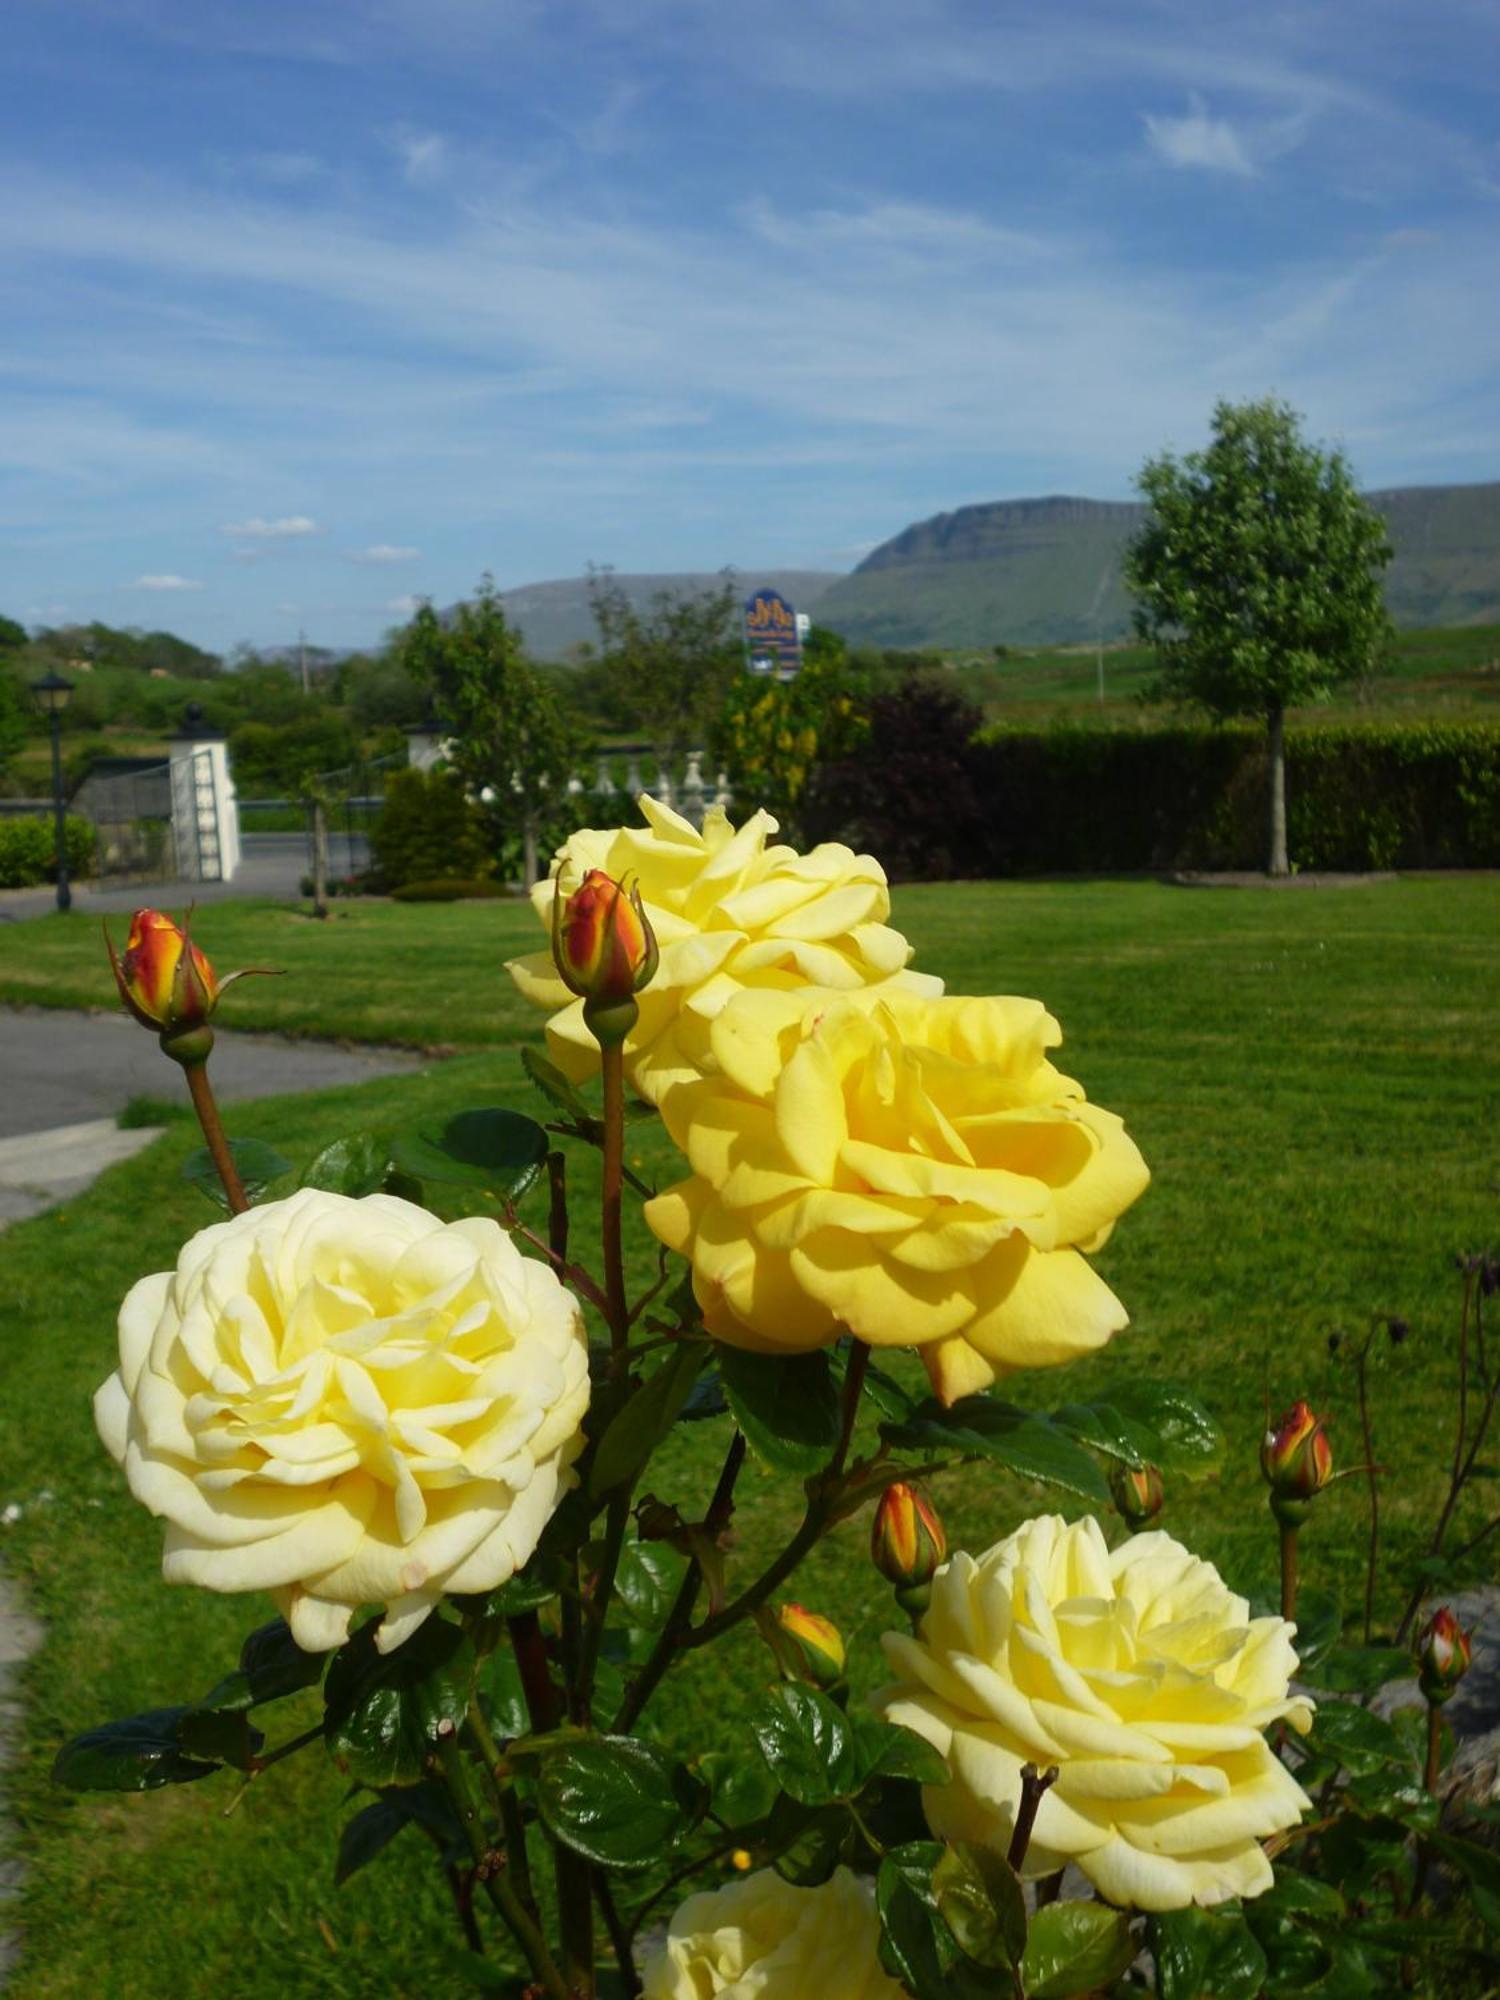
(1140, 1676)
(760, 1938)
(728, 912)
(914, 1170)
(348, 1402)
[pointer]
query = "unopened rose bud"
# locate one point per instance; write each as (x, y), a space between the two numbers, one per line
(1444, 1650)
(164, 979)
(604, 949)
(1296, 1461)
(1137, 1492)
(812, 1643)
(907, 1542)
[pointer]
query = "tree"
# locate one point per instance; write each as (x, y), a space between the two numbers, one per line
(1257, 577)
(669, 665)
(510, 739)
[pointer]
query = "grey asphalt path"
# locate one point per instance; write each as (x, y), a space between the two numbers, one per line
(272, 864)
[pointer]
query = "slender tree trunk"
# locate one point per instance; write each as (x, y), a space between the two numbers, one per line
(320, 858)
(1276, 745)
(528, 851)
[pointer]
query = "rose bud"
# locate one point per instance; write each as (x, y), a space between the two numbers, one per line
(1137, 1492)
(811, 1643)
(1444, 1650)
(603, 943)
(907, 1542)
(164, 979)
(1296, 1461)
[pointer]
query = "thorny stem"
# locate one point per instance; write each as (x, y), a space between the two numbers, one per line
(1361, 1376)
(460, 1782)
(617, 1311)
(681, 1875)
(619, 1936)
(557, 1207)
(680, 1617)
(517, 1859)
(1434, 1746)
(1288, 1571)
(814, 1521)
(575, 1274)
(574, 1897)
(202, 1094)
(596, 1609)
(1034, 1787)
(461, 1881)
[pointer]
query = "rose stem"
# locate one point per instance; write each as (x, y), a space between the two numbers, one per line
(1034, 1786)
(574, 1896)
(1288, 1571)
(619, 1937)
(1434, 1746)
(460, 1783)
(617, 1312)
(201, 1092)
(1361, 1376)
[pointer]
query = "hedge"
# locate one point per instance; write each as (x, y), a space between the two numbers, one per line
(28, 850)
(1076, 800)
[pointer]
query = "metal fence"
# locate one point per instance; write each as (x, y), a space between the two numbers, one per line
(132, 816)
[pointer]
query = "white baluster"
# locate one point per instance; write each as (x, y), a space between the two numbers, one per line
(692, 788)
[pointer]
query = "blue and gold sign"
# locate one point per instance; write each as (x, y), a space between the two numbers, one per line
(772, 640)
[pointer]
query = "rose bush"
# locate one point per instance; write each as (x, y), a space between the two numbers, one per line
(914, 1170)
(1140, 1677)
(728, 911)
(348, 1402)
(762, 1939)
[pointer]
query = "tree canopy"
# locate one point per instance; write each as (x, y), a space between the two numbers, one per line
(667, 665)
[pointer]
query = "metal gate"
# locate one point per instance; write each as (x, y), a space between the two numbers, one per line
(132, 816)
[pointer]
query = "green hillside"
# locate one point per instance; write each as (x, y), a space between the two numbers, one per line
(1047, 572)
(555, 619)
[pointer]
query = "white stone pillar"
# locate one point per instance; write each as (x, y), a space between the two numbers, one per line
(205, 811)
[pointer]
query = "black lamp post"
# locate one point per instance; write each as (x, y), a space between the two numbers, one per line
(52, 693)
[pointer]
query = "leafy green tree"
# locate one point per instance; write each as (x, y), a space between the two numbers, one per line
(510, 738)
(669, 665)
(1257, 577)
(12, 635)
(772, 736)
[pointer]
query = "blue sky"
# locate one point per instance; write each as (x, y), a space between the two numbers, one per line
(308, 308)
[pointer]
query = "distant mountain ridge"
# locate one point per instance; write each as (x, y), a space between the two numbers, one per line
(1047, 571)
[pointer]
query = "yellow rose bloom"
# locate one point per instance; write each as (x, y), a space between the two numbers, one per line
(1134, 1671)
(345, 1403)
(913, 1170)
(760, 1938)
(728, 911)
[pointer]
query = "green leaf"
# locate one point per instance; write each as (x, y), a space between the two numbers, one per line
(256, 1163)
(1104, 1429)
(139, 1754)
(648, 1579)
(886, 1750)
(557, 1088)
(1295, 1894)
(504, 1695)
(225, 1737)
(355, 1166)
(1208, 1952)
(1480, 1868)
(498, 1151)
(706, 1399)
(369, 1833)
(1355, 1737)
(808, 1855)
(1186, 1442)
(887, 1394)
(916, 1945)
(617, 1801)
(1075, 1948)
(980, 1900)
(1026, 1441)
(635, 1431)
(1362, 1669)
(272, 1664)
(808, 1745)
(385, 1711)
(742, 1789)
(537, 1584)
(786, 1405)
(1320, 1620)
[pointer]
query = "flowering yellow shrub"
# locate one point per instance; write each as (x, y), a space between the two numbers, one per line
(1140, 1676)
(729, 911)
(348, 1402)
(762, 1939)
(914, 1170)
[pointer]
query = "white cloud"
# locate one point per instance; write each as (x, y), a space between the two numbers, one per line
(289, 527)
(404, 606)
(424, 156)
(380, 554)
(1198, 140)
(164, 582)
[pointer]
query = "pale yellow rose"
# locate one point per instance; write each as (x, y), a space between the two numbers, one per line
(760, 1938)
(728, 912)
(912, 1169)
(1140, 1676)
(345, 1403)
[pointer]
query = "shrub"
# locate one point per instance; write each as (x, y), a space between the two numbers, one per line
(28, 850)
(447, 889)
(428, 831)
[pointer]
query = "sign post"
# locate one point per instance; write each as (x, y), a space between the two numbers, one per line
(773, 636)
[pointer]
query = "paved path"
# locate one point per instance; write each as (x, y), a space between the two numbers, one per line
(273, 864)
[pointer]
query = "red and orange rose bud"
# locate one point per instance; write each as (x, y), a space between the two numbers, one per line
(163, 978)
(907, 1542)
(1137, 1492)
(811, 1644)
(1296, 1461)
(1444, 1650)
(604, 949)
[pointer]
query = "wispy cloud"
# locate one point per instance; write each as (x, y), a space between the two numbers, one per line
(165, 581)
(286, 528)
(424, 156)
(1198, 140)
(404, 606)
(382, 554)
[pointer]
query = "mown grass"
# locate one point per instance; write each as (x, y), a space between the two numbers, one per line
(1308, 1072)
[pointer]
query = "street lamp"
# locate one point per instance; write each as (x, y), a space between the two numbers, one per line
(52, 693)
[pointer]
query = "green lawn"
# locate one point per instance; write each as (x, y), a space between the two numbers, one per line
(1310, 1074)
